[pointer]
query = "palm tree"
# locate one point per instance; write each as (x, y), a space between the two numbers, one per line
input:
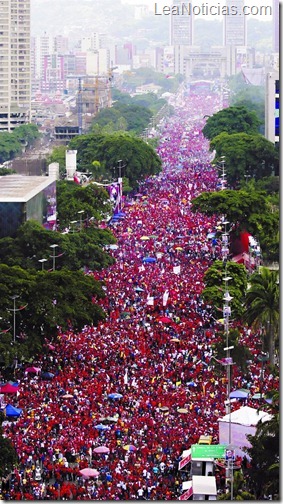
(240, 491)
(264, 470)
(262, 305)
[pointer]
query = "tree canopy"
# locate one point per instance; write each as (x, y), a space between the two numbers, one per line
(214, 287)
(262, 306)
(238, 206)
(127, 117)
(245, 155)
(11, 144)
(249, 210)
(49, 300)
(76, 250)
(140, 159)
(72, 198)
(231, 120)
(58, 155)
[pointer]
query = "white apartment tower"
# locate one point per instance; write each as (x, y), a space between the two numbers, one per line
(181, 25)
(15, 73)
(235, 26)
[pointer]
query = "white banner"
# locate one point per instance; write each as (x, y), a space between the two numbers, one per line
(150, 300)
(165, 297)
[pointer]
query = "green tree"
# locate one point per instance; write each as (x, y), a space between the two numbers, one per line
(262, 306)
(120, 116)
(238, 206)
(231, 120)
(10, 146)
(240, 489)
(72, 198)
(58, 155)
(240, 353)
(51, 299)
(26, 133)
(76, 250)
(140, 159)
(245, 154)
(63, 298)
(6, 171)
(214, 289)
(253, 99)
(248, 209)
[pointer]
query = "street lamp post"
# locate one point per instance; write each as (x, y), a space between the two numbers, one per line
(263, 357)
(42, 261)
(223, 175)
(226, 315)
(72, 225)
(54, 246)
(80, 212)
(120, 182)
(14, 310)
(14, 297)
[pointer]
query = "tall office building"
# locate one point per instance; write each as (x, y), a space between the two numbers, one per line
(181, 26)
(235, 26)
(15, 72)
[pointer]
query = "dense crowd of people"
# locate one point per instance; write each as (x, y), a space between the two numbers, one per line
(142, 383)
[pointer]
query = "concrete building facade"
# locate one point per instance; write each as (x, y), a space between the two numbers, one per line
(235, 26)
(15, 65)
(181, 26)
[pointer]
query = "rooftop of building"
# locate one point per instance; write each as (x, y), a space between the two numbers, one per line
(21, 188)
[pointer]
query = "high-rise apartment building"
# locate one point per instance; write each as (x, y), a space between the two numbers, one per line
(15, 72)
(181, 26)
(235, 26)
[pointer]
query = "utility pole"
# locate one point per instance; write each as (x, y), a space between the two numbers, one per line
(14, 310)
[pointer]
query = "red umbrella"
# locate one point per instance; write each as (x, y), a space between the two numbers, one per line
(101, 449)
(165, 320)
(8, 389)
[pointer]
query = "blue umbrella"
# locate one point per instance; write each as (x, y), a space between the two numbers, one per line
(47, 375)
(239, 394)
(101, 427)
(149, 259)
(192, 384)
(13, 412)
(139, 289)
(115, 395)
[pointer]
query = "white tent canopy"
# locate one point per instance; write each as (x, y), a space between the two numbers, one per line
(246, 416)
(243, 423)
